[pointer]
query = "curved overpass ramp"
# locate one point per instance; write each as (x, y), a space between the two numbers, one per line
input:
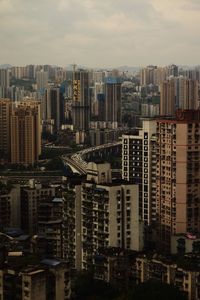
(77, 162)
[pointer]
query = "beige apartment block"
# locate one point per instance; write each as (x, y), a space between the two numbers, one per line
(178, 173)
(25, 132)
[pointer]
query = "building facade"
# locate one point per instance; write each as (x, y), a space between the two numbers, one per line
(112, 104)
(5, 113)
(138, 165)
(25, 132)
(81, 101)
(177, 175)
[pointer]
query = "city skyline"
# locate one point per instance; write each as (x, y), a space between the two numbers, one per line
(95, 33)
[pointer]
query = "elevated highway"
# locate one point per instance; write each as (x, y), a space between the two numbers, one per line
(78, 161)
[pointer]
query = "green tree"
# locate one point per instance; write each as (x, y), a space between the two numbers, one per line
(154, 290)
(55, 164)
(88, 288)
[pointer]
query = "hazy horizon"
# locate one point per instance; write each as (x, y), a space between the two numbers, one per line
(100, 34)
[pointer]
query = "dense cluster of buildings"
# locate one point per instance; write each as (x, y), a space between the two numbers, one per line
(144, 224)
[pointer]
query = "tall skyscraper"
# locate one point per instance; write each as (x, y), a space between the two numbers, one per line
(4, 82)
(41, 80)
(147, 75)
(178, 92)
(25, 132)
(187, 93)
(5, 113)
(178, 173)
(81, 101)
(112, 91)
(138, 165)
(167, 98)
(53, 109)
(30, 71)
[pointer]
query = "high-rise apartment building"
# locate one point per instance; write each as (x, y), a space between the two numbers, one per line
(41, 80)
(109, 214)
(9, 206)
(81, 101)
(25, 132)
(30, 71)
(171, 70)
(18, 72)
(4, 82)
(53, 109)
(101, 214)
(178, 92)
(5, 113)
(50, 215)
(147, 75)
(156, 75)
(4, 78)
(112, 102)
(167, 98)
(138, 165)
(187, 93)
(72, 223)
(31, 197)
(178, 173)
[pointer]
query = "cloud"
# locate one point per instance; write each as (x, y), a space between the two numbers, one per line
(99, 33)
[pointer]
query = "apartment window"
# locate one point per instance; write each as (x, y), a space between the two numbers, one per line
(128, 213)
(26, 293)
(26, 283)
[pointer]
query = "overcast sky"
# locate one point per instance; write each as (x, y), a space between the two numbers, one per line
(100, 33)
